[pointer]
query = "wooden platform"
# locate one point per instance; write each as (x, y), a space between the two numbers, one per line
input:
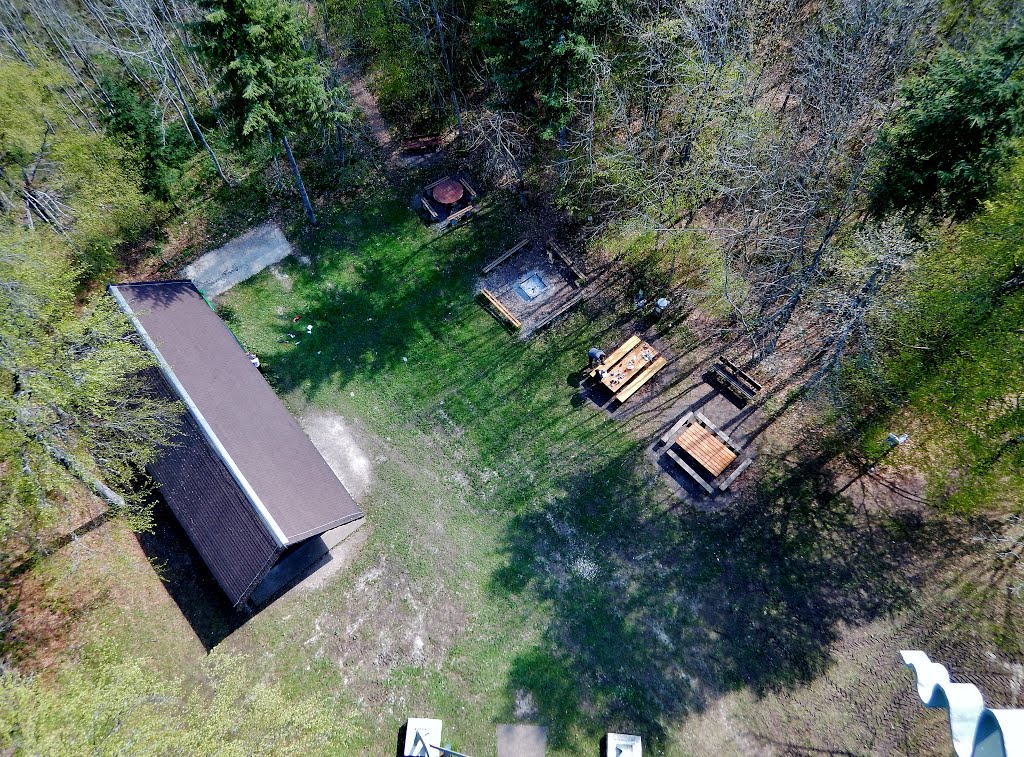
(705, 448)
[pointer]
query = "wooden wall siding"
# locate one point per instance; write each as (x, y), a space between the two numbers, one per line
(219, 520)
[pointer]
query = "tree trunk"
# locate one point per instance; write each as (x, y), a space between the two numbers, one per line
(298, 180)
(199, 132)
(447, 68)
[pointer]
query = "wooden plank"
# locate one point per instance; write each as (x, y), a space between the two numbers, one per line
(612, 359)
(734, 385)
(693, 474)
(433, 213)
(718, 432)
(469, 187)
(560, 311)
(497, 305)
(735, 474)
(741, 374)
(642, 378)
(503, 257)
(673, 432)
(458, 215)
(565, 259)
(501, 309)
(427, 188)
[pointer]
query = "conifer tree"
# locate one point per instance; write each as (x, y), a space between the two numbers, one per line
(953, 136)
(271, 82)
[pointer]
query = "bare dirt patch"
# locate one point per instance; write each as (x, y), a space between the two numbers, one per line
(337, 441)
(390, 620)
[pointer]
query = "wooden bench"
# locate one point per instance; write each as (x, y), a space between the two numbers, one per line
(419, 145)
(503, 257)
(458, 215)
(426, 204)
(612, 359)
(702, 419)
(642, 378)
(673, 433)
(693, 474)
(736, 380)
(561, 311)
(565, 259)
(469, 187)
(426, 189)
(735, 474)
(500, 309)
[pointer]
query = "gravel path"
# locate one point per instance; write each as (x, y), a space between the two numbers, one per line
(245, 256)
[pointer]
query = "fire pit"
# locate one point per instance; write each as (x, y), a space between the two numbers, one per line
(531, 287)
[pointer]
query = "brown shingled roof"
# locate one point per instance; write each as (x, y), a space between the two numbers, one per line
(283, 476)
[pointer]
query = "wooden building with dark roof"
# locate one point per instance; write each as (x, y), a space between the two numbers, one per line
(244, 480)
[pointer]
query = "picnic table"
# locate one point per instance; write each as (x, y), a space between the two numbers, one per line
(706, 449)
(708, 446)
(448, 191)
(629, 367)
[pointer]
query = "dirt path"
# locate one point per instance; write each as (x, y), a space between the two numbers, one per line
(367, 103)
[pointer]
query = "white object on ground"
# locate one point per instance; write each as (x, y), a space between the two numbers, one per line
(420, 735)
(624, 745)
(976, 730)
(245, 256)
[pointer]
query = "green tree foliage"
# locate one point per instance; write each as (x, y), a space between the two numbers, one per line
(83, 186)
(73, 406)
(540, 51)
(163, 148)
(270, 80)
(961, 356)
(408, 53)
(953, 135)
(272, 83)
(111, 705)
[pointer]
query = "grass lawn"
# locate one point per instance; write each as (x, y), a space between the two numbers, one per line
(489, 456)
(526, 562)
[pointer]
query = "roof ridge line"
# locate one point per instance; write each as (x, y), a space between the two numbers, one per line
(222, 453)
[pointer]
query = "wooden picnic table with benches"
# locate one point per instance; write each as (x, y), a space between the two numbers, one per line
(629, 367)
(708, 446)
(734, 379)
(449, 200)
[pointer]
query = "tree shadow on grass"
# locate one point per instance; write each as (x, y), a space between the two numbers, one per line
(378, 287)
(657, 609)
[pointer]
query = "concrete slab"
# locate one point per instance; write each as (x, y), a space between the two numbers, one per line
(309, 557)
(421, 735)
(623, 745)
(522, 740)
(339, 444)
(241, 258)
